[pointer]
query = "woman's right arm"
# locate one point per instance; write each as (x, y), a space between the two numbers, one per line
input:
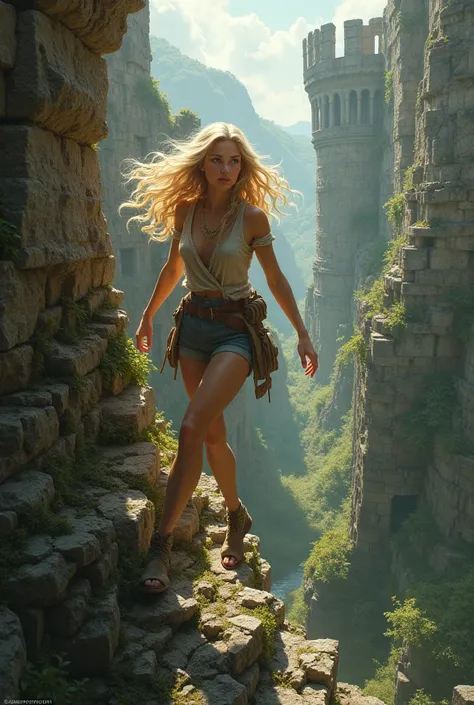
(169, 277)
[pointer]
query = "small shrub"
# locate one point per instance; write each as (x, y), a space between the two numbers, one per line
(124, 360)
(355, 347)
(329, 558)
(409, 624)
(395, 207)
(396, 317)
(50, 676)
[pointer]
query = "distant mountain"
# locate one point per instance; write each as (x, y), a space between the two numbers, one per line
(217, 95)
(303, 128)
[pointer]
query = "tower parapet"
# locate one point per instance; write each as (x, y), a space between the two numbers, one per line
(347, 104)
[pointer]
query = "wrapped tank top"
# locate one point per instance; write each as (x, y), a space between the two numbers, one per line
(228, 269)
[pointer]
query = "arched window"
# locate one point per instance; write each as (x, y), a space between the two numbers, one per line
(337, 110)
(326, 111)
(353, 108)
(365, 107)
(378, 107)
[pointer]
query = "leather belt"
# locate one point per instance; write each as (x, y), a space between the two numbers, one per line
(219, 313)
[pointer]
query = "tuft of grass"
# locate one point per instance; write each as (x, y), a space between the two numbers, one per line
(50, 675)
(355, 347)
(269, 625)
(44, 521)
(122, 359)
(395, 208)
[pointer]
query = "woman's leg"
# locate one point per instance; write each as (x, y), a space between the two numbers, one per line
(222, 379)
(220, 456)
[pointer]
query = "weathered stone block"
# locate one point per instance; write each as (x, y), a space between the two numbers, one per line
(92, 649)
(102, 528)
(224, 690)
(78, 359)
(12, 654)
(176, 606)
(30, 489)
(133, 516)
(80, 548)
(187, 525)
(42, 584)
(32, 622)
(414, 258)
(16, 367)
(100, 571)
(100, 28)
(103, 273)
(8, 523)
(7, 36)
(68, 617)
(133, 409)
(21, 299)
(382, 349)
(140, 460)
(416, 346)
(47, 197)
(463, 695)
(56, 82)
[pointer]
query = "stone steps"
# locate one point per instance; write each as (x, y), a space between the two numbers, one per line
(132, 411)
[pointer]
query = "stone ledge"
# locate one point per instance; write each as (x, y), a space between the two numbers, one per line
(56, 82)
(99, 24)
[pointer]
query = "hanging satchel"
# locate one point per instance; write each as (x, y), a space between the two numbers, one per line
(265, 350)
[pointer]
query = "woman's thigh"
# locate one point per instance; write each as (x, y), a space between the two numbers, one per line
(222, 379)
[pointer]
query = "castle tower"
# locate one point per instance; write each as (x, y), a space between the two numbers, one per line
(346, 96)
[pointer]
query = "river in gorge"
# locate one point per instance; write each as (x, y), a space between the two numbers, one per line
(293, 580)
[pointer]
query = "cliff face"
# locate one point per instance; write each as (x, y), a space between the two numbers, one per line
(413, 393)
(81, 483)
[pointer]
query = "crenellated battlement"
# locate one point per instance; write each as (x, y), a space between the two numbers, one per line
(320, 45)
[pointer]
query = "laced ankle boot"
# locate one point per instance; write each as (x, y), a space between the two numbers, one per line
(159, 563)
(239, 523)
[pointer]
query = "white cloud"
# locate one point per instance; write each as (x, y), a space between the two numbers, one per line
(269, 63)
(354, 10)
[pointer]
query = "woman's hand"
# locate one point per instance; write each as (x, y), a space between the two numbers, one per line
(145, 334)
(306, 350)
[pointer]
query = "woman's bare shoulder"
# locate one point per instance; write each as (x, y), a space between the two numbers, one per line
(256, 220)
(180, 213)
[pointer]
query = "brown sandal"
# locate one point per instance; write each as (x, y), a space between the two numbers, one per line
(159, 564)
(239, 523)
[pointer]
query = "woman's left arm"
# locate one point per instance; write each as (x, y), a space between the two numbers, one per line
(281, 290)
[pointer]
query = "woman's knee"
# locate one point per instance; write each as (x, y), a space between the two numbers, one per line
(216, 433)
(191, 432)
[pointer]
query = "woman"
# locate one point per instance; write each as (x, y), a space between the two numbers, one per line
(212, 195)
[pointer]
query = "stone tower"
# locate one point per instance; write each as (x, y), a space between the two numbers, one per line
(346, 96)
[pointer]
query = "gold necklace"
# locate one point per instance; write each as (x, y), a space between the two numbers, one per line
(210, 233)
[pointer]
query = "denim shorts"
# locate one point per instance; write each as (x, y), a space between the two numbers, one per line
(201, 339)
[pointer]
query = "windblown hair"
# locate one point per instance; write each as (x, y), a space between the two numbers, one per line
(176, 177)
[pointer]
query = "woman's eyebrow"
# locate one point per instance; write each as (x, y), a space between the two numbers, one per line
(220, 155)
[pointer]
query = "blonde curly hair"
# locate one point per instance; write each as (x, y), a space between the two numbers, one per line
(176, 177)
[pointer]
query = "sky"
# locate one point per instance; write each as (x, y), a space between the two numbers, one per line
(259, 41)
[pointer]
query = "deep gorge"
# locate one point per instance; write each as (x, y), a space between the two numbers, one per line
(375, 463)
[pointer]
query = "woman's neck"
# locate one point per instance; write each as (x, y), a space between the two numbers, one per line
(215, 201)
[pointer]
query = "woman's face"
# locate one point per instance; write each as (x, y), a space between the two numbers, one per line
(222, 164)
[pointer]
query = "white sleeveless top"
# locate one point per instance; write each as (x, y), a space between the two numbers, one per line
(228, 270)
